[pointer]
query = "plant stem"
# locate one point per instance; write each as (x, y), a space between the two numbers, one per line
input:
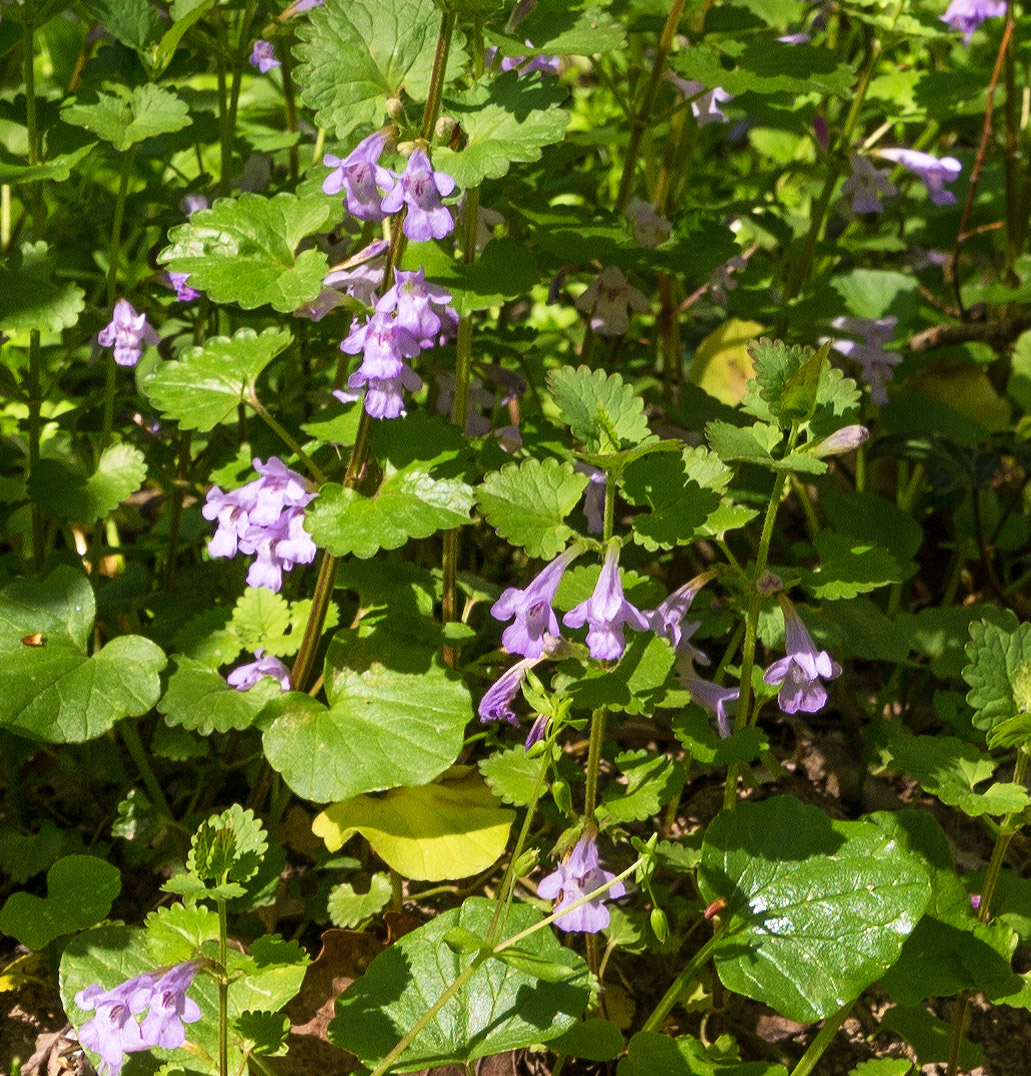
(305, 660)
(35, 405)
(131, 739)
(641, 117)
(223, 991)
(807, 1062)
(436, 90)
(669, 999)
(32, 123)
(286, 437)
(594, 762)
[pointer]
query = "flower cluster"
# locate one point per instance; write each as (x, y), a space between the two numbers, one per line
(706, 104)
(967, 15)
(573, 880)
(801, 672)
(263, 57)
(866, 186)
(114, 1031)
(245, 677)
(934, 172)
(608, 300)
(412, 314)
(128, 332)
(876, 362)
(264, 517)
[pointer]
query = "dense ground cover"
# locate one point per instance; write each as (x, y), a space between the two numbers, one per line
(515, 545)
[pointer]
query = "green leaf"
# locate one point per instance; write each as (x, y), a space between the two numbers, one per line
(652, 781)
(505, 270)
(511, 775)
(599, 409)
(176, 932)
(849, 566)
(127, 117)
(750, 444)
(57, 168)
(999, 673)
(54, 692)
(80, 892)
(768, 67)
(264, 1034)
(133, 22)
(787, 378)
(816, 910)
(693, 728)
(951, 769)
(651, 1053)
(527, 504)
(350, 909)
(243, 250)
(679, 507)
(31, 298)
(865, 515)
(500, 1008)
(68, 493)
(562, 28)
(264, 620)
(397, 716)
(637, 685)
(162, 53)
(505, 120)
(417, 494)
(355, 55)
(929, 1036)
(228, 846)
(591, 1040)
(207, 383)
(452, 828)
(197, 698)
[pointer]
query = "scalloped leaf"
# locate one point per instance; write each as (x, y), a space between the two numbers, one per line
(31, 298)
(506, 120)
(244, 250)
(600, 409)
(67, 493)
(206, 385)
(199, 699)
(768, 67)
(349, 909)
(562, 28)
(512, 775)
(355, 55)
(527, 504)
(396, 716)
(126, 117)
(999, 671)
(678, 505)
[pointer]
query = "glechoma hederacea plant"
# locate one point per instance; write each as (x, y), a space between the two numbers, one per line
(541, 487)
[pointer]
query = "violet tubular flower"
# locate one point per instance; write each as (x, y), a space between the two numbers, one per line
(667, 620)
(966, 16)
(420, 308)
(572, 881)
(606, 612)
(496, 704)
(360, 176)
(128, 332)
(531, 608)
(866, 186)
(801, 672)
(607, 301)
(875, 360)
(420, 188)
(385, 344)
(706, 104)
(264, 517)
(263, 57)
(245, 677)
(183, 292)
(114, 1031)
(715, 698)
(170, 1008)
(935, 172)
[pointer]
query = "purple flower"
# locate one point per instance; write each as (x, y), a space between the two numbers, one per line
(667, 619)
(128, 332)
(191, 203)
(246, 676)
(866, 186)
(650, 229)
(496, 704)
(821, 132)
(876, 362)
(264, 517)
(795, 39)
(114, 1031)
(362, 273)
(572, 881)
(183, 292)
(421, 189)
(715, 698)
(531, 607)
(721, 279)
(263, 57)
(847, 439)
(933, 171)
(594, 497)
(706, 104)
(420, 309)
(170, 1008)
(360, 176)
(476, 423)
(967, 15)
(547, 65)
(606, 611)
(324, 303)
(801, 671)
(608, 300)
(384, 343)
(299, 6)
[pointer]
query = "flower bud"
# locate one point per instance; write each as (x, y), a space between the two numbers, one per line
(847, 439)
(444, 128)
(525, 863)
(562, 796)
(821, 132)
(394, 108)
(659, 924)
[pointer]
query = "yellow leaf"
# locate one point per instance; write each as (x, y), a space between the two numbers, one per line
(450, 829)
(965, 389)
(30, 968)
(721, 365)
